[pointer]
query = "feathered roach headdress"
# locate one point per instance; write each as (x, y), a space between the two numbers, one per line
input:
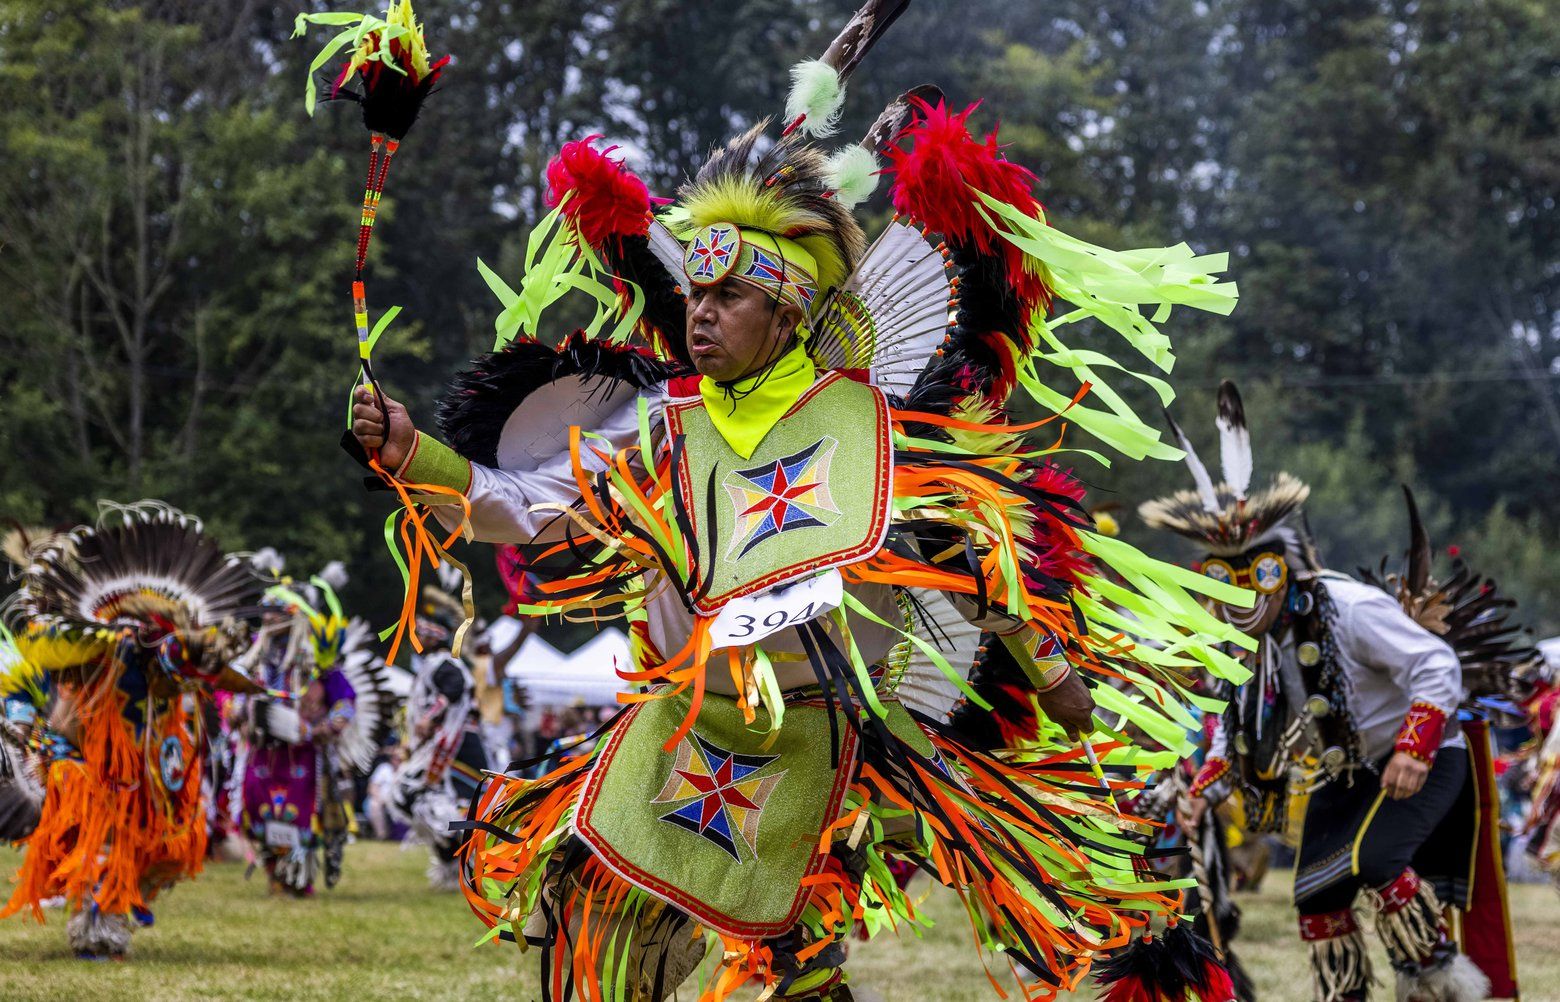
(327, 626)
(345, 645)
(1226, 517)
(770, 218)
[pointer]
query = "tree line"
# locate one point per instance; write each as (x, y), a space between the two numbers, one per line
(176, 235)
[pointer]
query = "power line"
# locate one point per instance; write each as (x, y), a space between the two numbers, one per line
(1386, 379)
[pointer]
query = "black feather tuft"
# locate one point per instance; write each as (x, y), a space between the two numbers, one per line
(998, 679)
(1178, 964)
(665, 309)
(1230, 407)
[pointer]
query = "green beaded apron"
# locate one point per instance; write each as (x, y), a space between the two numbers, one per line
(814, 495)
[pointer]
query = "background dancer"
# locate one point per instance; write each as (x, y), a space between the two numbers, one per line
(115, 626)
(445, 756)
(1353, 703)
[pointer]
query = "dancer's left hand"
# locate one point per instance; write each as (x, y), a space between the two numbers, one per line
(1404, 776)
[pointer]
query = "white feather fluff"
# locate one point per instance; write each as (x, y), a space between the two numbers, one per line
(335, 575)
(853, 174)
(1458, 981)
(267, 560)
(1205, 491)
(817, 94)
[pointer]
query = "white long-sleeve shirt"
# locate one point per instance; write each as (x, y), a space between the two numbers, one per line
(1390, 661)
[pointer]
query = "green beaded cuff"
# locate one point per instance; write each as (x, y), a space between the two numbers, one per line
(433, 462)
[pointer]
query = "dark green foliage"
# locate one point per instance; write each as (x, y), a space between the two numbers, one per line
(175, 234)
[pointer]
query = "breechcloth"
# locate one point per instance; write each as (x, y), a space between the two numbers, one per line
(1354, 836)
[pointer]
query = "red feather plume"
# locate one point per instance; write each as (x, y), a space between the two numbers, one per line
(609, 199)
(1053, 542)
(936, 162)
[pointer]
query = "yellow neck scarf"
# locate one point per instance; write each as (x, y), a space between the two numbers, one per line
(745, 416)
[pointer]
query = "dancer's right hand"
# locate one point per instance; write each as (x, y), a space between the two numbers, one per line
(369, 428)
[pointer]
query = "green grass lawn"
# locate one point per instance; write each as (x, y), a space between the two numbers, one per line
(383, 935)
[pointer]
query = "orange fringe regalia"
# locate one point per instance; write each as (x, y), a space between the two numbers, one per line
(115, 827)
(114, 627)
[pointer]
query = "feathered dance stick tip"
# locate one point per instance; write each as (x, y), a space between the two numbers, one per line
(938, 166)
(389, 54)
(1176, 966)
(600, 196)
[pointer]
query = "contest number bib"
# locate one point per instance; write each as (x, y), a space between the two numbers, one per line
(281, 835)
(748, 620)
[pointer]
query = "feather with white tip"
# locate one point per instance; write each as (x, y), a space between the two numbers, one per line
(267, 560)
(853, 174)
(1234, 440)
(1205, 491)
(335, 575)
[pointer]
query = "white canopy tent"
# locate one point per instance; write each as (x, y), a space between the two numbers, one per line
(553, 678)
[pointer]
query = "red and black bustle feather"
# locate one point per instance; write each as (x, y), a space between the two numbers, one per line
(1176, 966)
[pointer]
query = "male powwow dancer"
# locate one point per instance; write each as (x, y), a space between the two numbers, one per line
(445, 755)
(328, 710)
(798, 480)
(115, 625)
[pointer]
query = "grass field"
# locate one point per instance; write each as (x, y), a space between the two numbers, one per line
(382, 935)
